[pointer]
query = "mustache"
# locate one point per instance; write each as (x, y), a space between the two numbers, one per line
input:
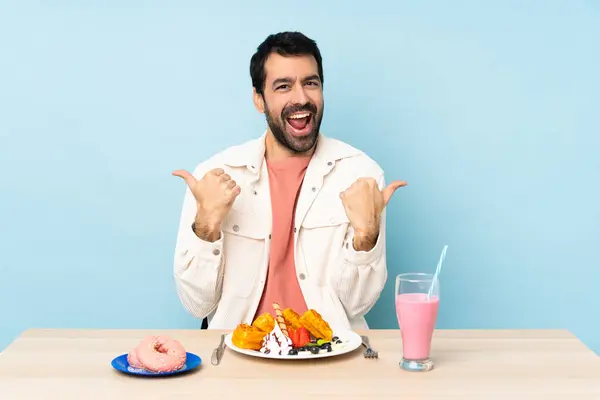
(294, 108)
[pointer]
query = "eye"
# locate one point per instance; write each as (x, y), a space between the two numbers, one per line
(282, 87)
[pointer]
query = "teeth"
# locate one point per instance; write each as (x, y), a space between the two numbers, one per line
(298, 116)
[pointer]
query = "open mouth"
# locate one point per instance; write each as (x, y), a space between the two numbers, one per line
(300, 123)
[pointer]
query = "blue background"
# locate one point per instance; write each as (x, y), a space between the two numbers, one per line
(490, 110)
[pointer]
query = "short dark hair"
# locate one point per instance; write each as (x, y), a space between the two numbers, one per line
(285, 44)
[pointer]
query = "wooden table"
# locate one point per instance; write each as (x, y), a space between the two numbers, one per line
(490, 364)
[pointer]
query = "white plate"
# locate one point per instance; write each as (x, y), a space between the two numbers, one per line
(350, 342)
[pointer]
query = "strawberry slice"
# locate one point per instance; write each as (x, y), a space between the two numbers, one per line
(294, 336)
(303, 336)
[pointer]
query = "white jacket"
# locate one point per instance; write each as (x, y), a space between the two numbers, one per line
(224, 280)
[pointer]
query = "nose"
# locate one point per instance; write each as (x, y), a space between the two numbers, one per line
(299, 94)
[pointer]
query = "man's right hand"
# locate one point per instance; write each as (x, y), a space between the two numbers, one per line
(214, 195)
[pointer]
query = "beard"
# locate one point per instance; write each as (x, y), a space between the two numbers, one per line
(282, 131)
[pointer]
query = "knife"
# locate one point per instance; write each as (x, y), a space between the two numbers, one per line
(218, 352)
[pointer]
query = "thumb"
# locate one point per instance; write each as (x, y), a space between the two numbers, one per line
(186, 176)
(390, 189)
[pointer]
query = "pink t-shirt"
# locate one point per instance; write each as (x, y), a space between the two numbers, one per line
(281, 286)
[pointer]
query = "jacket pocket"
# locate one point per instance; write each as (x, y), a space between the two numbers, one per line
(322, 237)
(326, 211)
(244, 252)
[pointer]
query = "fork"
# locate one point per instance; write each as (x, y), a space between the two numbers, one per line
(369, 352)
(218, 351)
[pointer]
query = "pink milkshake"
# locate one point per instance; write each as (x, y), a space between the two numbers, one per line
(416, 318)
(417, 301)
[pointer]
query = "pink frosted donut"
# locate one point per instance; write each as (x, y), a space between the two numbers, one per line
(133, 360)
(160, 354)
(132, 357)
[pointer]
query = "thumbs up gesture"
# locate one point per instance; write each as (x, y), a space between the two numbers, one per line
(364, 203)
(214, 194)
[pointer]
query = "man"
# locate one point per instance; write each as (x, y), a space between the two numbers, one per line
(292, 217)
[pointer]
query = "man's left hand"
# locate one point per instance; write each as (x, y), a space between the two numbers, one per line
(364, 203)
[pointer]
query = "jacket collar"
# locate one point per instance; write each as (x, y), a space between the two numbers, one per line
(252, 153)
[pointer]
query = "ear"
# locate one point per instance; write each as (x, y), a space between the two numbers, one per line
(259, 102)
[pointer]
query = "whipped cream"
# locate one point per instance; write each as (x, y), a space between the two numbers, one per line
(276, 342)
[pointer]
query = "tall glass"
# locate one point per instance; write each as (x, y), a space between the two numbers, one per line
(417, 314)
